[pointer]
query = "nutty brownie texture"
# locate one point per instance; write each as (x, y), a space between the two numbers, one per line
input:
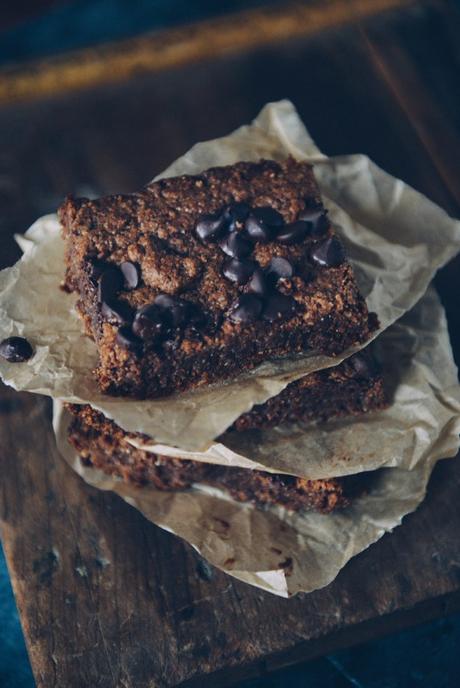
(104, 445)
(200, 278)
(354, 387)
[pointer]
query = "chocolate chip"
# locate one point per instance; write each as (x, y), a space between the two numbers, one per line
(363, 367)
(96, 270)
(246, 309)
(280, 268)
(16, 349)
(149, 322)
(262, 223)
(238, 212)
(128, 340)
(130, 273)
(117, 311)
(235, 245)
(238, 271)
(257, 230)
(329, 253)
(268, 215)
(176, 309)
(259, 284)
(109, 283)
(210, 227)
(317, 217)
(278, 306)
(294, 233)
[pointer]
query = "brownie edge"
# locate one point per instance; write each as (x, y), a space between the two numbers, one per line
(102, 444)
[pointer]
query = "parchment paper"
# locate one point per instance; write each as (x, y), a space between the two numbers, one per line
(275, 550)
(396, 238)
(423, 388)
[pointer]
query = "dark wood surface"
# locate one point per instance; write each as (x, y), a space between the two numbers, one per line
(107, 599)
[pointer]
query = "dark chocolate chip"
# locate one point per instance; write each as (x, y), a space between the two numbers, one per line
(246, 309)
(130, 273)
(238, 212)
(259, 284)
(238, 271)
(109, 283)
(363, 367)
(329, 253)
(128, 340)
(235, 245)
(262, 224)
(280, 268)
(149, 322)
(210, 227)
(271, 217)
(278, 306)
(175, 308)
(294, 233)
(317, 218)
(117, 311)
(16, 349)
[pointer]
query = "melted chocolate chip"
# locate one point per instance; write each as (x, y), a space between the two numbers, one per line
(210, 227)
(109, 283)
(278, 306)
(149, 322)
(238, 212)
(259, 284)
(176, 310)
(238, 271)
(128, 340)
(246, 309)
(16, 349)
(235, 245)
(280, 268)
(329, 253)
(294, 233)
(130, 273)
(317, 218)
(117, 311)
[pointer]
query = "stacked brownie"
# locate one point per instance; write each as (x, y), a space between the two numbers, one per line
(198, 279)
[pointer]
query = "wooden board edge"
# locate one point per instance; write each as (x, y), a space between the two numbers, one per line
(423, 612)
(210, 38)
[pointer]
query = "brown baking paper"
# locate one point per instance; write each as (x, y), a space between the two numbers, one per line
(396, 240)
(422, 386)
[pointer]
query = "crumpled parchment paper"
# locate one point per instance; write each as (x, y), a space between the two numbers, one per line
(423, 389)
(396, 240)
(281, 552)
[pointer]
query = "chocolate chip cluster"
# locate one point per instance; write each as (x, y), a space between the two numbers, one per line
(237, 228)
(156, 321)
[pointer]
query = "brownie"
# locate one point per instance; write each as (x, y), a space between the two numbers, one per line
(104, 445)
(200, 278)
(354, 387)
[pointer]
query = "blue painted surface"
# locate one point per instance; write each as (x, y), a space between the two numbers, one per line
(425, 657)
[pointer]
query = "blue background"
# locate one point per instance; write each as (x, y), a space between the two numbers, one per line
(424, 657)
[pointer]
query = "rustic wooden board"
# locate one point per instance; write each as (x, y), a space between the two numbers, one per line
(107, 599)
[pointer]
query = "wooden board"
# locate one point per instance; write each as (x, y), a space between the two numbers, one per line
(107, 599)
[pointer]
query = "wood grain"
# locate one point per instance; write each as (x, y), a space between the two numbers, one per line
(203, 40)
(106, 598)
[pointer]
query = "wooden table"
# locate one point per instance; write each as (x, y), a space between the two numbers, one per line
(107, 599)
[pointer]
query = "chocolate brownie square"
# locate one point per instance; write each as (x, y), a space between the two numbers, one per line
(197, 279)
